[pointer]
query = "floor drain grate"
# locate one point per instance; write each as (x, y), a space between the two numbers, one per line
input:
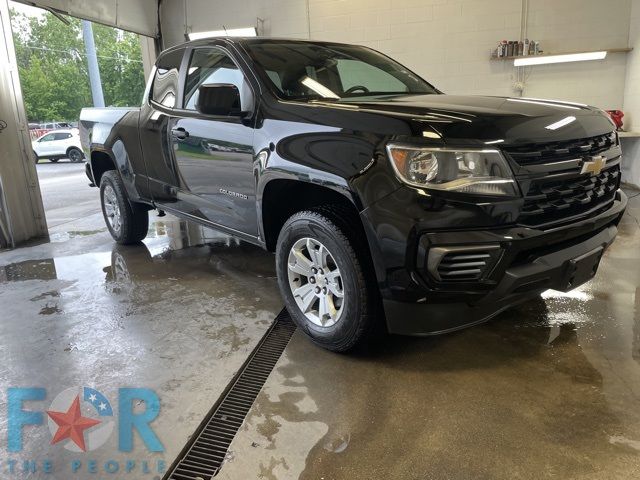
(202, 457)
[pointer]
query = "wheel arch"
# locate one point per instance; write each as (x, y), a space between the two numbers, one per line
(100, 162)
(282, 198)
(114, 158)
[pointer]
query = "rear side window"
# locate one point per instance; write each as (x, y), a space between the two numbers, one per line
(62, 136)
(165, 82)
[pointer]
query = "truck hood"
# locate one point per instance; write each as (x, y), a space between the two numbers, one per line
(489, 119)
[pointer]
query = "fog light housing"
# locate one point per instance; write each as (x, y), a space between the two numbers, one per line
(462, 264)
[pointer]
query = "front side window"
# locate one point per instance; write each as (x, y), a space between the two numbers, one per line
(48, 138)
(165, 83)
(306, 71)
(212, 65)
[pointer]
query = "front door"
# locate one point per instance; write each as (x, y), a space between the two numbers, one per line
(46, 145)
(213, 155)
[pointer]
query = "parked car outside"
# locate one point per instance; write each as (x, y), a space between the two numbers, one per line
(36, 130)
(58, 144)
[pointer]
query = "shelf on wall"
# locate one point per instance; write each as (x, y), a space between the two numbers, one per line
(629, 134)
(608, 50)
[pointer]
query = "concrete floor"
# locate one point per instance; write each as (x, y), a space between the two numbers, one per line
(548, 390)
(64, 192)
(177, 315)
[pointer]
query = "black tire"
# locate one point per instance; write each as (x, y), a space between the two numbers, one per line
(36, 158)
(134, 218)
(74, 155)
(333, 228)
(54, 160)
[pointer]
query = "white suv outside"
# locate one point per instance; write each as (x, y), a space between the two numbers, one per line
(63, 143)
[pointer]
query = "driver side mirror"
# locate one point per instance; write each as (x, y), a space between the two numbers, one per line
(220, 99)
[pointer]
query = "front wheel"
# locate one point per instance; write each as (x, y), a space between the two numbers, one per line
(324, 279)
(36, 158)
(127, 222)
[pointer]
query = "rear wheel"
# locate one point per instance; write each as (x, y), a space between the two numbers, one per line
(323, 276)
(127, 222)
(74, 155)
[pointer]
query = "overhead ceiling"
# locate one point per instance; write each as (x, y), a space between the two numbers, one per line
(139, 16)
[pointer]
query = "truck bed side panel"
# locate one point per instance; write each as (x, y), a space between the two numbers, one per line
(114, 132)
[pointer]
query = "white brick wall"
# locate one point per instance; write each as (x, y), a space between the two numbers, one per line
(446, 41)
(632, 86)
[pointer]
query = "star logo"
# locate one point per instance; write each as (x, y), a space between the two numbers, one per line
(71, 424)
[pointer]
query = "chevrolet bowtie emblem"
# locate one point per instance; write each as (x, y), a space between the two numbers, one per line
(593, 166)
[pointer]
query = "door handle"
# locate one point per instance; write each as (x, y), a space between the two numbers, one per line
(179, 133)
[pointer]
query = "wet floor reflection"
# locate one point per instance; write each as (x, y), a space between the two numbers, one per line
(505, 400)
(29, 270)
(178, 314)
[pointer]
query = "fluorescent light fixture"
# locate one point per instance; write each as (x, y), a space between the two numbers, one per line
(570, 57)
(318, 88)
(428, 134)
(227, 32)
(542, 102)
(561, 123)
(557, 101)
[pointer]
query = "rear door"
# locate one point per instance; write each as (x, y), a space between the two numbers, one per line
(214, 155)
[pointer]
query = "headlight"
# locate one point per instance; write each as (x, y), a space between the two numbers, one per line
(481, 172)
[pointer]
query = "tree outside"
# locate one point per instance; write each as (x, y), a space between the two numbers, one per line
(53, 66)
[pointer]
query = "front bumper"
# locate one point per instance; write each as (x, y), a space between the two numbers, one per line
(531, 261)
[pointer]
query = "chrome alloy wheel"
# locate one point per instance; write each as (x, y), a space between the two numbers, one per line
(112, 209)
(315, 282)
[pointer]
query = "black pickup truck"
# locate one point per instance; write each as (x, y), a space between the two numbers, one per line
(382, 198)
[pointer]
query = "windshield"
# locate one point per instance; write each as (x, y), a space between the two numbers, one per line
(306, 71)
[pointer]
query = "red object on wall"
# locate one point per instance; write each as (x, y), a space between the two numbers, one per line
(616, 116)
(38, 132)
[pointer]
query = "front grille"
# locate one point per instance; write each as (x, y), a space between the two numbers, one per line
(554, 189)
(550, 201)
(535, 154)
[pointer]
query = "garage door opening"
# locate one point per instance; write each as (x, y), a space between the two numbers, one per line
(52, 58)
